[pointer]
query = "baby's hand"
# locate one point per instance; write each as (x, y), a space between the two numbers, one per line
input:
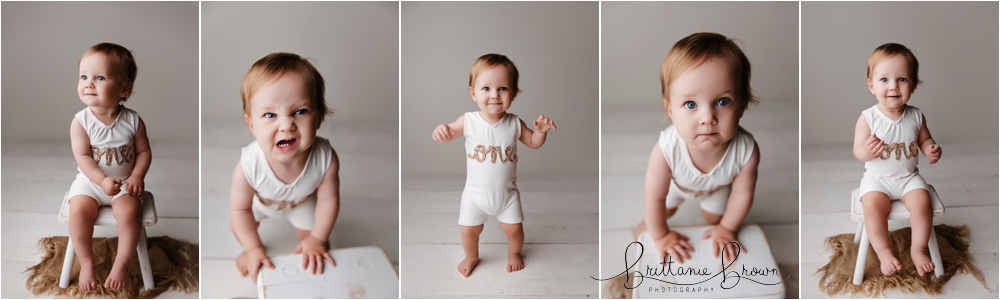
(933, 152)
(314, 251)
(721, 237)
(135, 186)
(544, 124)
(874, 145)
(111, 186)
(675, 245)
(256, 259)
(443, 133)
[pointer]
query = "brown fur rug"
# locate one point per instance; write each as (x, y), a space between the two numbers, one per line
(174, 263)
(836, 277)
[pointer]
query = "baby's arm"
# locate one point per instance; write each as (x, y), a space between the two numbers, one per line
(740, 200)
(135, 183)
(867, 146)
(658, 175)
(930, 148)
(243, 224)
(447, 132)
(80, 142)
(314, 248)
(535, 139)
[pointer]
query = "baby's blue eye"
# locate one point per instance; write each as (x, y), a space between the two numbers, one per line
(503, 88)
(884, 80)
(690, 105)
(100, 77)
(84, 77)
(902, 79)
(301, 111)
(270, 115)
(486, 89)
(723, 102)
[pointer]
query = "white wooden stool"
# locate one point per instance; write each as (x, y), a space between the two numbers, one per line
(361, 272)
(106, 217)
(759, 260)
(896, 212)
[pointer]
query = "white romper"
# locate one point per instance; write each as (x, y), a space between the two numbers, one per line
(491, 181)
(295, 201)
(710, 189)
(113, 149)
(894, 172)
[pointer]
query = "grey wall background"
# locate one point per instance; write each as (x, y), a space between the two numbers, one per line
(354, 45)
(636, 36)
(955, 42)
(42, 46)
(555, 47)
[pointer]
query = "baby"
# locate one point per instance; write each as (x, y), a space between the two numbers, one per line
(288, 171)
(705, 155)
(491, 136)
(112, 154)
(886, 138)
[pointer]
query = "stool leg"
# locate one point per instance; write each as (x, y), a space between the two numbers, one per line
(859, 267)
(857, 233)
(67, 264)
(932, 248)
(142, 251)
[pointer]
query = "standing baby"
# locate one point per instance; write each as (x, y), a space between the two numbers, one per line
(491, 136)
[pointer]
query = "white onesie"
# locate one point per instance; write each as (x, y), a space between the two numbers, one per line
(295, 201)
(894, 171)
(113, 149)
(711, 189)
(491, 181)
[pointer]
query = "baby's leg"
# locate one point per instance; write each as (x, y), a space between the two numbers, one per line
(470, 243)
(515, 241)
(918, 202)
(83, 211)
(710, 218)
(639, 228)
(126, 209)
(876, 209)
(241, 260)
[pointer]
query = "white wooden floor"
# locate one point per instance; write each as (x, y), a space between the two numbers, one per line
(36, 173)
(369, 193)
(560, 250)
(628, 133)
(966, 181)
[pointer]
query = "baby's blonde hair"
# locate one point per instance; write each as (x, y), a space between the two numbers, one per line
(887, 51)
(272, 67)
(697, 48)
(489, 61)
(121, 58)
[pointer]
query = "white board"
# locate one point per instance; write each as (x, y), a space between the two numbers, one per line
(361, 272)
(687, 280)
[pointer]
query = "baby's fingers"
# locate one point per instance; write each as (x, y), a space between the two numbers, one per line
(674, 253)
(326, 255)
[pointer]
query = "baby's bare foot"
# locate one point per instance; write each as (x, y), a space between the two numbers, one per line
(921, 260)
(466, 266)
(514, 262)
(638, 229)
(889, 262)
(241, 264)
(116, 279)
(87, 282)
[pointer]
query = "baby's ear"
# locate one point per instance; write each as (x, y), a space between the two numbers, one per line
(472, 94)
(870, 89)
(246, 118)
(126, 90)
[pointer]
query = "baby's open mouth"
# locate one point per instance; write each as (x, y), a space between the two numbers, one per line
(286, 143)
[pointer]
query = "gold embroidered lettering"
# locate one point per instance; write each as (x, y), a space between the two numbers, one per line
(698, 193)
(901, 150)
(121, 155)
(481, 152)
(281, 205)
